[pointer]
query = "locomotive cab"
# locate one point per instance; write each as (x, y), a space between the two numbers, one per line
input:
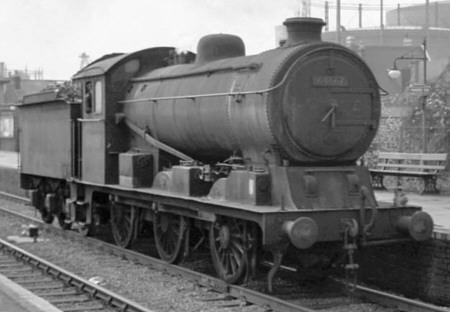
(103, 83)
(93, 138)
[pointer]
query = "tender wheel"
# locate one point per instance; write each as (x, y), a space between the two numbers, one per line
(124, 221)
(227, 240)
(60, 215)
(86, 229)
(62, 221)
(170, 232)
(46, 216)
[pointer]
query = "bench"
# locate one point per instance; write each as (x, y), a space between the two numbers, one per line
(416, 165)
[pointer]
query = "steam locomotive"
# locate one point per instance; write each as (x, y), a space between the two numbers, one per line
(249, 154)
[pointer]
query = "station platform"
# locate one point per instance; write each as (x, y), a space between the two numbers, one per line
(9, 159)
(438, 206)
(14, 298)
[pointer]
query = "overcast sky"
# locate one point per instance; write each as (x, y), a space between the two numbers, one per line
(51, 34)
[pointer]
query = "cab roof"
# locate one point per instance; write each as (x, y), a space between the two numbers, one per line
(100, 66)
(107, 63)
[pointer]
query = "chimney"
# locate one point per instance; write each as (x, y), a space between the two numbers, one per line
(303, 29)
(2, 93)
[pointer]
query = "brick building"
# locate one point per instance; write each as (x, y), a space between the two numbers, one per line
(13, 86)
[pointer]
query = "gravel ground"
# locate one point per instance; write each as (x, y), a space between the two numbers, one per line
(156, 290)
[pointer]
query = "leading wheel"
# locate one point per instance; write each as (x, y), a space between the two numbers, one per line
(170, 232)
(124, 221)
(227, 240)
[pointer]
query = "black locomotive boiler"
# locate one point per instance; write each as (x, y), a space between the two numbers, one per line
(249, 154)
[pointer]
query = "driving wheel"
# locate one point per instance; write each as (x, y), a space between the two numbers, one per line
(227, 239)
(170, 232)
(124, 222)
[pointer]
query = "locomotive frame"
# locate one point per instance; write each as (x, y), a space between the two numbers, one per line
(256, 182)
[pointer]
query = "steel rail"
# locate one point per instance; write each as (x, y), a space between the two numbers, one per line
(244, 294)
(110, 298)
(401, 303)
(14, 197)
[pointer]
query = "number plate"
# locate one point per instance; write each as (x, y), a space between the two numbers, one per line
(330, 81)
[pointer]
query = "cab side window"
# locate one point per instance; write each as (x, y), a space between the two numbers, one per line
(93, 96)
(98, 97)
(88, 97)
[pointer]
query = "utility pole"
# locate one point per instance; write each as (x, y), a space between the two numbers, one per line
(424, 103)
(381, 23)
(85, 60)
(360, 15)
(338, 21)
(427, 19)
(424, 89)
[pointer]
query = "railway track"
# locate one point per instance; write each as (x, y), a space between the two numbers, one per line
(238, 296)
(67, 291)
